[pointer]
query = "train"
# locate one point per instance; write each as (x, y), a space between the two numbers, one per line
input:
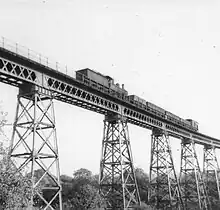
(101, 82)
(107, 85)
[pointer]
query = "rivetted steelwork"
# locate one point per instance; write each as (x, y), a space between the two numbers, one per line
(16, 70)
(117, 179)
(164, 188)
(34, 143)
(26, 70)
(191, 180)
(211, 171)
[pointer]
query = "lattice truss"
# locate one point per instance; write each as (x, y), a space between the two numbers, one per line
(70, 92)
(193, 187)
(34, 146)
(164, 190)
(211, 173)
(118, 184)
(18, 71)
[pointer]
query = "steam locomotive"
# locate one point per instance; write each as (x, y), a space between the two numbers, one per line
(106, 84)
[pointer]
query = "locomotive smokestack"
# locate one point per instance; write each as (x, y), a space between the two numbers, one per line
(123, 86)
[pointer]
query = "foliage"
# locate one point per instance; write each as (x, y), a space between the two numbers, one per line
(15, 188)
(47, 193)
(191, 191)
(81, 192)
(143, 182)
(143, 206)
(85, 197)
(82, 174)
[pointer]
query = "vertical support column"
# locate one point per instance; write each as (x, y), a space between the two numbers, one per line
(193, 187)
(164, 190)
(211, 173)
(117, 180)
(34, 147)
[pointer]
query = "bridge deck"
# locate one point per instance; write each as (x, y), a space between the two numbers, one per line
(17, 70)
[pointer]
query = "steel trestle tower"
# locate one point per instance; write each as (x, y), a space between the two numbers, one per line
(211, 173)
(117, 179)
(192, 184)
(34, 147)
(164, 189)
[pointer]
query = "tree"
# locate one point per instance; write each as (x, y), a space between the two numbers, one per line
(82, 173)
(143, 183)
(15, 188)
(86, 197)
(81, 191)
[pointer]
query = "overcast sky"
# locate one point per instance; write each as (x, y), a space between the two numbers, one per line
(164, 51)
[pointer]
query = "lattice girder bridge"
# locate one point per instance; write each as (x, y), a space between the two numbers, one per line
(40, 84)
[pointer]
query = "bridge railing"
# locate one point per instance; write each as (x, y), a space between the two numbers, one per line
(35, 56)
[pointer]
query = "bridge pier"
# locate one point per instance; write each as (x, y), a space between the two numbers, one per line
(34, 147)
(191, 180)
(117, 179)
(211, 173)
(164, 189)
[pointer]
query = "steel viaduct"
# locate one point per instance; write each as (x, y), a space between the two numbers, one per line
(34, 144)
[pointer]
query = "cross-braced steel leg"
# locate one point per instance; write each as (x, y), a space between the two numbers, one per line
(118, 184)
(211, 173)
(193, 187)
(34, 147)
(164, 189)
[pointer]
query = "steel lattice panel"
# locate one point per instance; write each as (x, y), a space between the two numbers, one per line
(14, 73)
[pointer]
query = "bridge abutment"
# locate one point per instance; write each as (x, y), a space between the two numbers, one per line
(117, 179)
(34, 147)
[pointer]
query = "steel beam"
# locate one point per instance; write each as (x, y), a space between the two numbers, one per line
(117, 180)
(69, 90)
(211, 173)
(164, 189)
(193, 187)
(34, 148)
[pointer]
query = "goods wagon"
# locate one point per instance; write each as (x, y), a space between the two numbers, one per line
(156, 109)
(172, 117)
(136, 100)
(193, 124)
(185, 123)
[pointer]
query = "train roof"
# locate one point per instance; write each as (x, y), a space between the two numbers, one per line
(191, 120)
(88, 69)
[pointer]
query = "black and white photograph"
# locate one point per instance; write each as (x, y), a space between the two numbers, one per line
(109, 105)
